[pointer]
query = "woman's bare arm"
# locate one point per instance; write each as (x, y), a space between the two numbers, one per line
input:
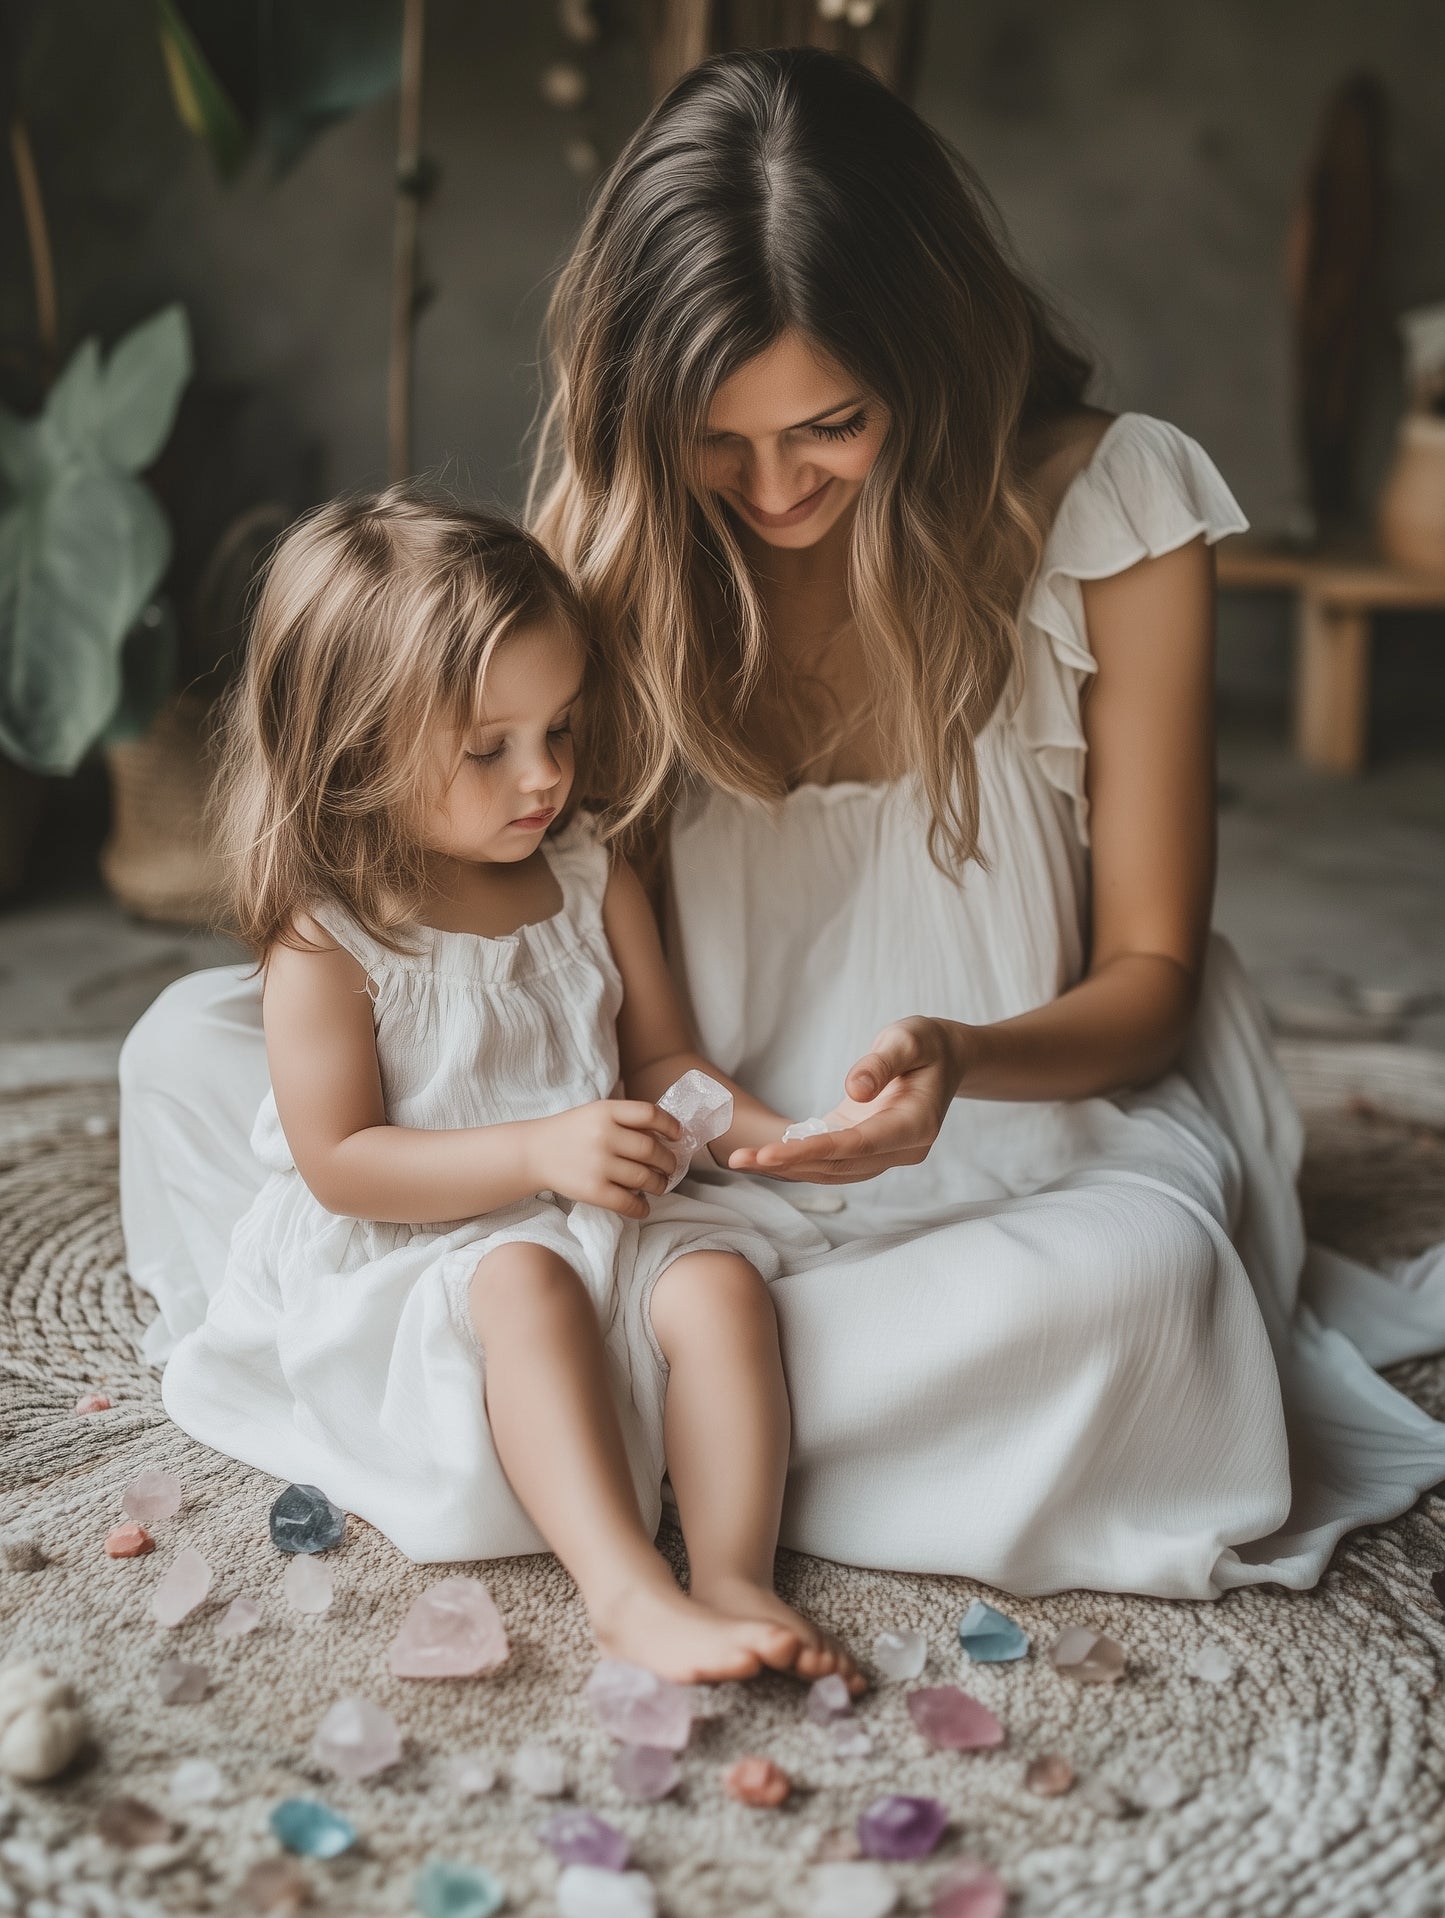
(1148, 720)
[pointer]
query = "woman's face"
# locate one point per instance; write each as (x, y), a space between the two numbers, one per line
(789, 439)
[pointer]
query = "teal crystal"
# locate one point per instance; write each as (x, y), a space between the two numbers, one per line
(989, 1638)
(315, 1831)
(457, 1891)
(303, 1519)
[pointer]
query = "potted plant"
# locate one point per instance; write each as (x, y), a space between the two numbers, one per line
(87, 648)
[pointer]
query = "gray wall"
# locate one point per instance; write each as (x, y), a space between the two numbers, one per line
(1144, 153)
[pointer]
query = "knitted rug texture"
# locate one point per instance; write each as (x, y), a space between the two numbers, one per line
(1310, 1783)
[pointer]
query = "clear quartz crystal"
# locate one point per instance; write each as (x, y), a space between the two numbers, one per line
(196, 1781)
(807, 1129)
(900, 1654)
(152, 1497)
(356, 1739)
(242, 1615)
(843, 1890)
(182, 1588)
(308, 1584)
(1212, 1663)
(1157, 1788)
(703, 1109)
(469, 1774)
(540, 1770)
(587, 1891)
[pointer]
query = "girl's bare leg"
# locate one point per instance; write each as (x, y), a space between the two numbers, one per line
(555, 1428)
(727, 1428)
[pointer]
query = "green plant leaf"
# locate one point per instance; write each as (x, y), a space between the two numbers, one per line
(147, 672)
(321, 61)
(73, 402)
(79, 557)
(140, 389)
(203, 104)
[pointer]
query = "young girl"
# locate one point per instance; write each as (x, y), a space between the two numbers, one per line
(461, 1303)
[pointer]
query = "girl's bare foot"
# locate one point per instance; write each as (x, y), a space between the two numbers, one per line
(818, 1653)
(689, 1641)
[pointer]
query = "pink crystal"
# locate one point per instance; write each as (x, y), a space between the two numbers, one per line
(645, 1771)
(453, 1630)
(703, 1109)
(1087, 1656)
(952, 1721)
(242, 1615)
(182, 1589)
(636, 1707)
(356, 1739)
(829, 1698)
(308, 1583)
(1049, 1776)
(180, 1683)
(970, 1890)
(92, 1402)
(152, 1497)
(837, 1845)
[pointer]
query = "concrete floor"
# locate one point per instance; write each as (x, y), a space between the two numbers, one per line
(1333, 891)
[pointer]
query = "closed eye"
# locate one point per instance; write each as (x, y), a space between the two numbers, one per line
(848, 429)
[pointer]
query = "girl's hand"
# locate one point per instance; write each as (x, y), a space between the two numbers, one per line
(608, 1153)
(897, 1097)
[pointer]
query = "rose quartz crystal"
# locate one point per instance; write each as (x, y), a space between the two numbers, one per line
(636, 1707)
(952, 1721)
(1050, 1776)
(970, 1890)
(152, 1497)
(180, 1683)
(92, 1402)
(242, 1615)
(453, 1630)
(183, 1587)
(308, 1584)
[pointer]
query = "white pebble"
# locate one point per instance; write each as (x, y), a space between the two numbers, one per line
(540, 1770)
(850, 1891)
(586, 1891)
(1212, 1663)
(196, 1781)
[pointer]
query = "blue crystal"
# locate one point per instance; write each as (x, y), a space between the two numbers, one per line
(989, 1638)
(303, 1519)
(457, 1891)
(315, 1831)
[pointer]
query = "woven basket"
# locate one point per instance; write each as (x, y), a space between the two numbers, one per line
(158, 859)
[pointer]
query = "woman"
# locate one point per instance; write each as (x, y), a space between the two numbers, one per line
(925, 642)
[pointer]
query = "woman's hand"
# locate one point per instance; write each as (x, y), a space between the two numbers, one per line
(608, 1153)
(897, 1097)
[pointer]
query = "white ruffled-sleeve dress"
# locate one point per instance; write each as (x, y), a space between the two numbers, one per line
(1083, 1344)
(341, 1352)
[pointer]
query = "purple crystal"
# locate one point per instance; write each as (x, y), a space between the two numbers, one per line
(829, 1698)
(636, 1707)
(303, 1519)
(898, 1826)
(581, 1838)
(645, 1771)
(952, 1721)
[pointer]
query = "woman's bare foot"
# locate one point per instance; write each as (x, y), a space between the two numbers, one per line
(689, 1641)
(818, 1655)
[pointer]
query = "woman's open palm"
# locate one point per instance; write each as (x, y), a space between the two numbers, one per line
(895, 1100)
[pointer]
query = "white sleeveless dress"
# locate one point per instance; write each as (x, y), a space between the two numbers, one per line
(341, 1352)
(1081, 1345)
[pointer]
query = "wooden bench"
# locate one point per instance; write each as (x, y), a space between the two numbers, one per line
(1337, 595)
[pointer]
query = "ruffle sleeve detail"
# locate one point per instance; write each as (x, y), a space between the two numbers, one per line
(1148, 489)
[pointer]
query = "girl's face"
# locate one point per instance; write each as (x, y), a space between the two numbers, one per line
(501, 781)
(790, 437)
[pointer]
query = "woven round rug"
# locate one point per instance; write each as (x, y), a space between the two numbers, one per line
(1308, 1783)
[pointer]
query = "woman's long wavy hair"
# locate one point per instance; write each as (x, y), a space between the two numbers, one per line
(777, 190)
(373, 628)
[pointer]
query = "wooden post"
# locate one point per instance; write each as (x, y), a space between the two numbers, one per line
(403, 269)
(1332, 684)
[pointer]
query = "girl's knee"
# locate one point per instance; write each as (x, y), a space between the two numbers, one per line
(521, 1274)
(703, 1289)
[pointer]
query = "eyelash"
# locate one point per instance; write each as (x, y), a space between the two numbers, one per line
(490, 759)
(848, 429)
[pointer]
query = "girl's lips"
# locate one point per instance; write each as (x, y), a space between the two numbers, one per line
(534, 819)
(794, 515)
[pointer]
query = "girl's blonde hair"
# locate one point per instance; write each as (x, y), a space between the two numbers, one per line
(776, 190)
(373, 628)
